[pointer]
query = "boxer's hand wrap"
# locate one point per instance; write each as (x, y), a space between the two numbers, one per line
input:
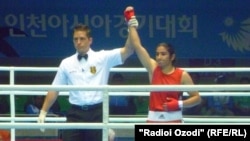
(130, 18)
(172, 104)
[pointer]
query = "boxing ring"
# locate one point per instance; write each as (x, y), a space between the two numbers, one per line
(13, 123)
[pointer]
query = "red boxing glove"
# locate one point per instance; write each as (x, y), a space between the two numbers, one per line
(129, 13)
(171, 104)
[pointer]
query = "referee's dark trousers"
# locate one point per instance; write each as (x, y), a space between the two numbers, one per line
(83, 114)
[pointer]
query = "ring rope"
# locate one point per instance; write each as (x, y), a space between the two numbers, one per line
(194, 119)
(31, 93)
(12, 88)
(142, 88)
(206, 69)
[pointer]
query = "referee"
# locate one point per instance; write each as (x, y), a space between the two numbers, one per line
(84, 67)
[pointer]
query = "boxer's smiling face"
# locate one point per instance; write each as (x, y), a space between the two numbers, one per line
(163, 57)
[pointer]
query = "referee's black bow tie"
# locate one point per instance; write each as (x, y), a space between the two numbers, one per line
(79, 56)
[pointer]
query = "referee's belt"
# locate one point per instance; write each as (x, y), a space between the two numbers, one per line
(87, 107)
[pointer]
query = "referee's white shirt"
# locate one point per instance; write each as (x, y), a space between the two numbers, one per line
(93, 71)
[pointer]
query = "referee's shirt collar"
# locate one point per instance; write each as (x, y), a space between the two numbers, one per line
(85, 56)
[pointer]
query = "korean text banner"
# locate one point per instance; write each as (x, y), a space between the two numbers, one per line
(197, 29)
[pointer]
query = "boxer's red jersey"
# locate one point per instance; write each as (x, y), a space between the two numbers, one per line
(159, 78)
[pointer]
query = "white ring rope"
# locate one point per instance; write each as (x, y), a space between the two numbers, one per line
(194, 119)
(142, 88)
(117, 88)
(89, 125)
(32, 93)
(206, 69)
(138, 90)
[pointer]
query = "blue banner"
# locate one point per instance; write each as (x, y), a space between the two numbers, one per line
(197, 29)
